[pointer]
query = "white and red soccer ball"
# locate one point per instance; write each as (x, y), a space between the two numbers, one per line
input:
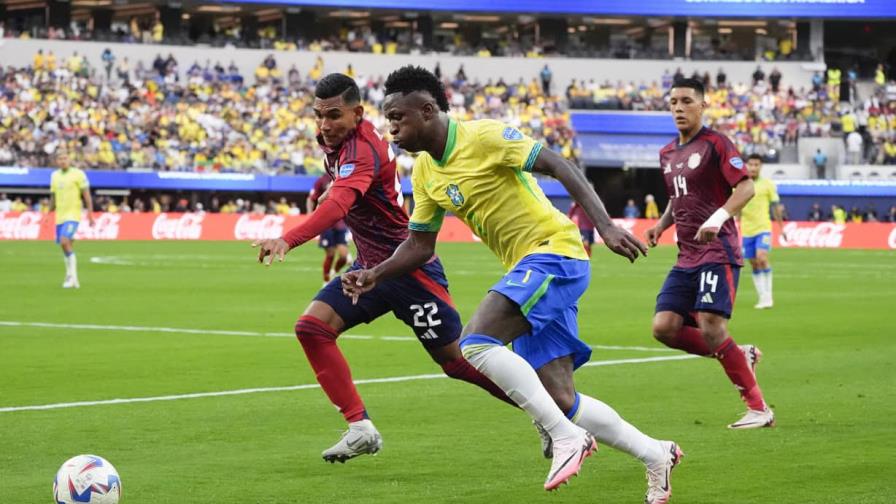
(87, 479)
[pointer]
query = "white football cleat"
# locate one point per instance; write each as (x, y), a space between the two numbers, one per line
(360, 438)
(659, 476)
(753, 355)
(547, 444)
(764, 303)
(70, 283)
(569, 454)
(755, 419)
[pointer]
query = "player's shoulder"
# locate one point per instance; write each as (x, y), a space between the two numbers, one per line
(669, 147)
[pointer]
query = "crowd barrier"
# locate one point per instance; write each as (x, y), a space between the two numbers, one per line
(206, 226)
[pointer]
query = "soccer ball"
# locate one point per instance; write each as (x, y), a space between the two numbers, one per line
(87, 479)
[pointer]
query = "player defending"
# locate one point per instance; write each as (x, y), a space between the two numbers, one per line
(331, 240)
(68, 185)
(480, 171)
(586, 228)
(756, 227)
(366, 193)
(692, 310)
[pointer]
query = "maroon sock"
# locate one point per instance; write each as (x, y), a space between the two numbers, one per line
(460, 369)
(330, 367)
(328, 263)
(738, 370)
(690, 339)
(340, 262)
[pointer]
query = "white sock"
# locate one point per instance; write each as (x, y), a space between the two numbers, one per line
(518, 380)
(759, 283)
(73, 266)
(68, 265)
(767, 283)
(605, 423)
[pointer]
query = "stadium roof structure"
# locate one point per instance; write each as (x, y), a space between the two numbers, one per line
(856, 9)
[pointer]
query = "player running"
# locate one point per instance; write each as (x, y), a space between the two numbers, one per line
(756, 227)
(586, 228)
(367, 194)
(332, 240)
(68, 186)
(693, 307)
(481, 171)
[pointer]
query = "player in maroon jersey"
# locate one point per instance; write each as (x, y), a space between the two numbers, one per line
(367, 194)
(333, 240)
(701, 168)
(586, 227)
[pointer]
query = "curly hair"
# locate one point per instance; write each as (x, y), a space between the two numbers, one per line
(409, 79)
(337, 84)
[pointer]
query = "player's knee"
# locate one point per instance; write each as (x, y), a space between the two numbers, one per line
(664, 330)
(564, 397)
(310, 329)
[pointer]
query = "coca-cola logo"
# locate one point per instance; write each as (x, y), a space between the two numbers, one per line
(891, 241)
(24, 226)
(824, 235)
(184, 227)
(267, 227)
(105, 227)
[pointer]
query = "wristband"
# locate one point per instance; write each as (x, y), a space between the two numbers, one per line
(717, 219)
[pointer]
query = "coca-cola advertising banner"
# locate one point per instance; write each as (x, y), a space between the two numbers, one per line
(204, 226)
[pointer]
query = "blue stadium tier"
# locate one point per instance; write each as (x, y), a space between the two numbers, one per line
(726, 8)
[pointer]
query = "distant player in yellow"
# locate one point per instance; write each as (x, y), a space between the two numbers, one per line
(68, 185)
(756, 229)
(481, 172)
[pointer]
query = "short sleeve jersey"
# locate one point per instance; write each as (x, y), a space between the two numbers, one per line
(755, 218)
(484, 178)
(67, 187)
(699, 177)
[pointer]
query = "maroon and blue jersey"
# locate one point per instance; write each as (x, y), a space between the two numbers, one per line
(699, 178)
(365, 163)
(320, 187)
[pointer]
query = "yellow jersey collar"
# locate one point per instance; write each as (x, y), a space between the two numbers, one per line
(449, 145)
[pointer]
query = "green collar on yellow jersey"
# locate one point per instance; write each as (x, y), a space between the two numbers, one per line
(449, 145)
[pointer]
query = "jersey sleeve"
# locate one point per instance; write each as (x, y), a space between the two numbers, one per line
(356, 167)
(518, 151)
(730, 162)
(427, 215)
(82, 182)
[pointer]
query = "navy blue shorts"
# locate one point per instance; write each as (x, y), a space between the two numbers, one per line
(419, 299)
(332, 237)
(706, 288)
(547, 288)
(587, 236)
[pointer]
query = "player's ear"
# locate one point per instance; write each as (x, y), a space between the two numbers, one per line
(429, 111)
(359, 113)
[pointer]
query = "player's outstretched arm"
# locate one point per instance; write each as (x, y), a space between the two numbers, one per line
(615, 238)
(414, 252)
(742, 194)
(653, 234)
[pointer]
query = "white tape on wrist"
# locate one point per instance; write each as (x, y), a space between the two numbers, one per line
(717, 219)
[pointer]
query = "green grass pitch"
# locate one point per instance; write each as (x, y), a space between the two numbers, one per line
(828, 371)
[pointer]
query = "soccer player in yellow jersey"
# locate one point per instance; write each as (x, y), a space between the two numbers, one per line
(756, 228)
(68, 185)
(481, 172)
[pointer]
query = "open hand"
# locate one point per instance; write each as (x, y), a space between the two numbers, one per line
(623, 243)
(357, 282)
(274, 248)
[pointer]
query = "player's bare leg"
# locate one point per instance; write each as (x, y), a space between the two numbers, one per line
(498, 321)
(610, 428)
(317, 330)
(739, 370)
(71, 264)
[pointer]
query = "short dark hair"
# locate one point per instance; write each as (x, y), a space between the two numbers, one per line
(409, 79)
(755, 156)
(337, 84)
(690, 83)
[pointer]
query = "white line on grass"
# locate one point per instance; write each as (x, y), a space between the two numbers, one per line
(219, 332)
(395, 379)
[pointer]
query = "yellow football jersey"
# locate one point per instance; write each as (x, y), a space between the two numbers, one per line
(483, 178)
(67, 186)
(754, 218)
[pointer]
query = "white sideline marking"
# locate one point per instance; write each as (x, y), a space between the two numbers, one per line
(11, 409)
(219, 332)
